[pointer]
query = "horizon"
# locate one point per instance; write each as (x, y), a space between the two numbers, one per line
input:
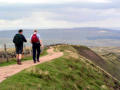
(116, 29)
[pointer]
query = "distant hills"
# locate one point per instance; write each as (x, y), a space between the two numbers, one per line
(90, 36)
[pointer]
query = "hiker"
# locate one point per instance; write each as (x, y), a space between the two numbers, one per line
(18, 40)
(36, 44)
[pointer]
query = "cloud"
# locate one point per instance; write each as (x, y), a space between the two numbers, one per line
(53, 1)
(107, 23)
(84, 14)
(59, 13)
(36, 20)
(43, 20)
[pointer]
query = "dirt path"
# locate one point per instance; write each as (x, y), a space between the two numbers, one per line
(8, 71)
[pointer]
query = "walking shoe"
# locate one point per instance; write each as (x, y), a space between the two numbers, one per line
(34, 61)
(38, 60)
(19, 62)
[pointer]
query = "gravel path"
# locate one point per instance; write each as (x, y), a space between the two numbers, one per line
(8, 71)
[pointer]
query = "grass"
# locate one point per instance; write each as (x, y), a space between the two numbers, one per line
(111, 57)
(60, 74)
(13, 61)
(64, 73)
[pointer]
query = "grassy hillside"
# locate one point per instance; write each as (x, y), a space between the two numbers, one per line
(70, 72)
(111, 56)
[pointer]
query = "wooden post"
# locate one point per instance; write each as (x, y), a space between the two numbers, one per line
(6, 56)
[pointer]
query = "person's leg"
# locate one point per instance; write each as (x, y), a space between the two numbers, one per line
(20, 54)
(34, 52)
(20, 57)
(17, 58)
(17, 54)
(38, 52)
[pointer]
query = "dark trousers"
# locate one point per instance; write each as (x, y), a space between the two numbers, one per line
(36, 51)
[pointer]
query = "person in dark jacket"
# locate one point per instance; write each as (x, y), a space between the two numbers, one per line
(36, 44)
(18, 40)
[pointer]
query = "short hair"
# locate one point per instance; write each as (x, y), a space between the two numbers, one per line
(20, 31)
(35, 30)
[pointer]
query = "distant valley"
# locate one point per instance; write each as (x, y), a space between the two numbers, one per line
(83, 36)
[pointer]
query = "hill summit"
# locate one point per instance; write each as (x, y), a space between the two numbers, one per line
(75, 70)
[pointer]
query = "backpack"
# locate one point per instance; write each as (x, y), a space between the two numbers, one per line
(34, 39)
(18, 39)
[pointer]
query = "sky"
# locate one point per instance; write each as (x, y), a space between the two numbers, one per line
(36, 14)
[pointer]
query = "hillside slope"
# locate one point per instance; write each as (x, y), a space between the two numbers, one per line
(111, 56)
(70, 72)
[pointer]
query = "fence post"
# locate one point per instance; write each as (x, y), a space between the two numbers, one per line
(5, 49)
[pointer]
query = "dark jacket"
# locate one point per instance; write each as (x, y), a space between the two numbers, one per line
(19, 38)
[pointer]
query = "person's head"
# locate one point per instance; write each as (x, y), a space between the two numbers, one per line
(20, 31)
(35, 31)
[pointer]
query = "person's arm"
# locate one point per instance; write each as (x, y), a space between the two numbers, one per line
(40, 40)
(14, 39)
(41, 43)
(24, 39)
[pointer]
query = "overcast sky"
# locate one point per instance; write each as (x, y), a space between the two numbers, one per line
(29, 14)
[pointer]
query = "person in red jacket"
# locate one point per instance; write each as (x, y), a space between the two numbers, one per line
(36, 44)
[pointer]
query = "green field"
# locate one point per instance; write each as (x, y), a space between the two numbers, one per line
(70, 72)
